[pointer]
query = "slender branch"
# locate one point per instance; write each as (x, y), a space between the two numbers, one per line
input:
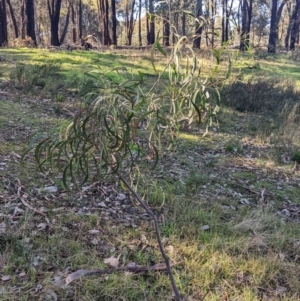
(158, 236)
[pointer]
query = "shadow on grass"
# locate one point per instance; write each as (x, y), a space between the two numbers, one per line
(259, 95)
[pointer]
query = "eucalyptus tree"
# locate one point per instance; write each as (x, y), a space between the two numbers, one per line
(79, 19)
(150, 22)
(140, 23)
(54, 7)
(75, 14)
(209, 16)
(74, 23)
(104, 21)
(260, 20)
(226, 14)
(129, 15)
(114, 23)
(30, 16)
(246, 23)
(13, 18)
(27, 19)
(66, 23)
(293, 26)
(22, 20)
(199, 24)
(163, 11)
(275, 19)
(3, 24)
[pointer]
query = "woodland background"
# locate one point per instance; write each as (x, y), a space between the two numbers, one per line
(207, 23)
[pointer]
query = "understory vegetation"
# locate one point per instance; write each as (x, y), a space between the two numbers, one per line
(227, 200)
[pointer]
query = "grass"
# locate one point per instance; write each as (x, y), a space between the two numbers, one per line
(227, 202)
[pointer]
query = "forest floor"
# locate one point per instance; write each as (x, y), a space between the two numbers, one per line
(228, 203)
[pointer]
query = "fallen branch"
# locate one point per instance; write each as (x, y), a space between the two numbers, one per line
(253, 191)
(31, 208)
(136, 269)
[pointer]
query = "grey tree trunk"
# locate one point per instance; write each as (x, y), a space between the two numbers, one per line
(198, 32)
(30, 20)
(13, 18)
(3, 24)
(114, 23)
(54, 14)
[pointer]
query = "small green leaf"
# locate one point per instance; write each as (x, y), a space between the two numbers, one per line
(161, 50)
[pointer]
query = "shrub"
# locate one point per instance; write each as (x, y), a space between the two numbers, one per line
(47, 77)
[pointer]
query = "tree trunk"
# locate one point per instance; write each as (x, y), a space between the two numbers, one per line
(147, 21)
(54, 14)
(273, 28)
(3, 24)
(114, 22)
(166, 29)
(213, 14)
(298, 28)
(151, 32)
(107, 35)
(224, 8)
(140, 23)
(288, 32)
(65, 30)
(30, 20)
(228, 14)
(183, 20)
(38, 23)
(130, 25)
(249, 18)
(73, 18)
(197, 40)
(246, 24)
(278, 15)
(294, 26)
(239, 18)
(175, 24)
(79, 20)
(22, 21)
(13, 18)
(104, 21)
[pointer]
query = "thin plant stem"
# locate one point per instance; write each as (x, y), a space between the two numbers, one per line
(158, 235)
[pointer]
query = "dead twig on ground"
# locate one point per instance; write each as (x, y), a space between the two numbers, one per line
(25, 203)
(133, 268)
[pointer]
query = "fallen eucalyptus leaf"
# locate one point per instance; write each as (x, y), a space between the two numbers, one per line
(42, 226)
(94, 231)
(112, 261)
(5, 278)
(95, 241)
(3, 227)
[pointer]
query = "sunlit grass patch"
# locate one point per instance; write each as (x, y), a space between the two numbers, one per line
(189, 137)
